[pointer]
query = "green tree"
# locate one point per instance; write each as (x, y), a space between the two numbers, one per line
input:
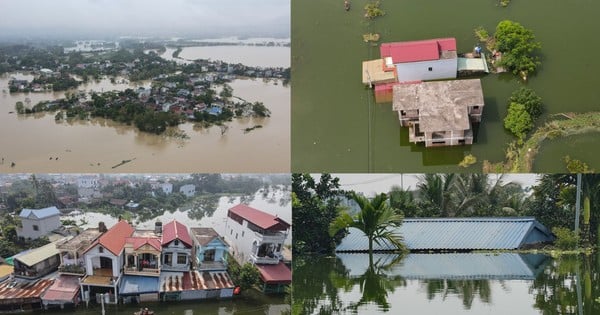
(518, 46)
(245, 276)
(376, 219)
(531, 101)
(518, 120)
(20, 107)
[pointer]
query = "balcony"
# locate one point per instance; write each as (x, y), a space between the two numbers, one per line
(212, 265)
(142, 271)
(71, 269)
(277, 237)
(265, 259)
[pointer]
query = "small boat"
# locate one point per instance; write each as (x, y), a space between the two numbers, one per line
(144, 311)
(347, 5)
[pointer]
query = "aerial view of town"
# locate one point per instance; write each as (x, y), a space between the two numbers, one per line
(488, 88)
(145, 243)
(119, 97)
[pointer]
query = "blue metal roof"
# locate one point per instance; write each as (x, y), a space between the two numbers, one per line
(133, 285)
(457, 234)
(474, 266)
(39, 213)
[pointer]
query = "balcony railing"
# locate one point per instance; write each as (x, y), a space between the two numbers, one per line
(264, 259)
(270, 237)
(133, 270)
(72, 269)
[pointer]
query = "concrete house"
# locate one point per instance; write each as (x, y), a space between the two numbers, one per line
(210, 250)
(104, 260)
(439, 113)
(188, 190)
(72, 261)
(37, 262)
(176, 247)
(167, 188)
(256, 236)
(36, 223)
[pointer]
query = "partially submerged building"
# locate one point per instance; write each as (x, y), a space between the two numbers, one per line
(439, 113)
(457, 234)
(210, 250)
(37, 262)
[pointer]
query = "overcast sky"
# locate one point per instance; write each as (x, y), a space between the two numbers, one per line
(198, 18)
(371, 184)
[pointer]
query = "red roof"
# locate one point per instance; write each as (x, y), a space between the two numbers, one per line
(176, 230)
(64, 289)
(259, 218)
(420, 50)
(279, 273)
(114, 238)
(138, 242)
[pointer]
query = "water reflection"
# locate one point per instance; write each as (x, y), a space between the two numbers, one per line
(456, 283)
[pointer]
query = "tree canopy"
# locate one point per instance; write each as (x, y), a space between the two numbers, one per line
(518, 120)
(518, 46)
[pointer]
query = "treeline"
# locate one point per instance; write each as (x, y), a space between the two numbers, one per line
(316, 204)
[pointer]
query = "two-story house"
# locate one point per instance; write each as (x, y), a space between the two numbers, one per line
(36, 223)
(72, 251)
(258, 237)
(210, 250)
(188, 190)
(104, 261)
(177, 246)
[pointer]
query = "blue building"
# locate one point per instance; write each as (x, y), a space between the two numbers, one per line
(210, 250)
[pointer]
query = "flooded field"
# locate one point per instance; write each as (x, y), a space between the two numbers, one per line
(336, 126)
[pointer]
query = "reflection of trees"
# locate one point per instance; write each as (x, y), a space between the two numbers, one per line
(556, 289)
(203, 206)
(466, 289)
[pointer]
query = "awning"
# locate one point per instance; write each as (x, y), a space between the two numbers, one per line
(134, 285)
(64, 289)
(272, 274)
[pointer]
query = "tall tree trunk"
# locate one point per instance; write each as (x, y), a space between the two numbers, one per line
(586, 221)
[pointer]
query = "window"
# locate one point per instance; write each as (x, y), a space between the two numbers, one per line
(167, 259)
(476, 107)
(176, 242)
(430, 68)
(36, 228)
(181, 259)
(236, 235)
(100, 249)
(231, 233)
(243, 233)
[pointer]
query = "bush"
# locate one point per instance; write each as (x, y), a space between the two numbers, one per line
(531, 101)
(565, 238)
(518, 120)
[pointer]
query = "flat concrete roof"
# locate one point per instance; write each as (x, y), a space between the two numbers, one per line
(442, 105)
(372, 73)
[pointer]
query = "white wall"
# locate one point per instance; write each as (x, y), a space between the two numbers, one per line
(419, 71)
(45, 226)
(92, 260)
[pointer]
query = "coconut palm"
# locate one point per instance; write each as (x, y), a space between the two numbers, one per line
(376, 219)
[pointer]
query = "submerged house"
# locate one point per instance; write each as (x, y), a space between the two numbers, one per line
(457, 234)
(104, 260)
(439, 113)
(258, 237)
(36, 263)
(71, 250)
(210, 250)
(177, 246)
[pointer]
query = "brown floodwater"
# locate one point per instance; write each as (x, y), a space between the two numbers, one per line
(36, 143)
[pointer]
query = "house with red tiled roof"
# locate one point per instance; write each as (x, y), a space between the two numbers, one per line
(104, 260)
(258, 237)
(177, 246)
(142, 254)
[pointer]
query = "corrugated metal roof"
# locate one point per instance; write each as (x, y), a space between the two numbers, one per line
(259, 218)
(278, 273)
(194, 280)
(37, 255)
(474, 266)
(454, 234)
(39, 213)
(23, 291)
(176, 230)
(64, 289)
(420, 50)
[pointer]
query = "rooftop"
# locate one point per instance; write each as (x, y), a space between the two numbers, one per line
(259, 218)
(458, 234)
(442, 105)
(23, 292)
(36, 255)
(114, 238)
(39, 213)
(205, 235)
(176, 230)
(374, 72)
(80, 242)
(64, 289)
(420, 50)
(138, 285)
(278, 273)
(194, 280)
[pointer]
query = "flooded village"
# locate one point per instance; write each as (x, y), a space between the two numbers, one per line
(132, 263)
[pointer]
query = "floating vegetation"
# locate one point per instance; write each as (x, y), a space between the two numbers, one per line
(371, 37)
(372, 10)
(469, 160)
(123, 163)
(504, 3)
(178, 134)
(252, 128)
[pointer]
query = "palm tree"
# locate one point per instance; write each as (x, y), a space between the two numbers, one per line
(376, 219)
(436, 190)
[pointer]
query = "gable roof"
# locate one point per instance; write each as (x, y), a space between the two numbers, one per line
(114, 238)
(206, 235)
(36, 255)
(420, 50)
(138, 242)
(176, 230)
(458, 234)
(39, 213)
(259, 218)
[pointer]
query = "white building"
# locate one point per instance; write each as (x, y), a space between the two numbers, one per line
(421, 60)
(38, 222)
(177, 247)
(167, 188)
(188, 190)
(254, 235)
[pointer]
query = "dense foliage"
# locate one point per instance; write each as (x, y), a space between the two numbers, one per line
(518, 121)
(518, 46)
(531, 101)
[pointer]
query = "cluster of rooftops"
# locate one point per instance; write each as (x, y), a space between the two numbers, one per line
(437, 113)
(170, 262)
